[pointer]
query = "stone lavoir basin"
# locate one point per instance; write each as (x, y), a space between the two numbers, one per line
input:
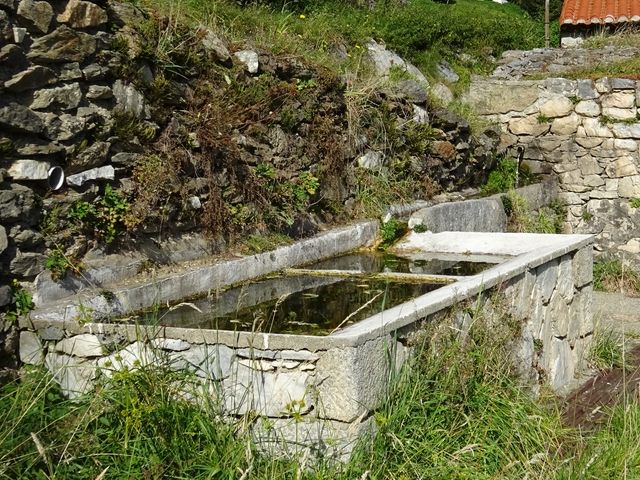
(318, 386)
(323, 297)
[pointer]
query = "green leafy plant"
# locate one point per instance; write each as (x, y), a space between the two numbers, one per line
(607, 350)
(420, 228)
(635, 202)
(612, 275)
(503, 177)
(543, 119)
(390, 231)
(105, 218)
(22, 302)
(58, 264)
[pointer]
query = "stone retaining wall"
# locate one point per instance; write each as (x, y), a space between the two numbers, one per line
(585, 133)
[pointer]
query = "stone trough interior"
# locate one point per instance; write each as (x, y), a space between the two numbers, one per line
(320, 391)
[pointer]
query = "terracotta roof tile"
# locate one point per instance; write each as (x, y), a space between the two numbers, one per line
(587, 12)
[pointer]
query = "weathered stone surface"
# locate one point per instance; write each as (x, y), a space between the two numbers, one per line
(566, 125)
(101, 173)
(29, 170)
(528, 126)
(12, 55)
(16, 203)
(27, 264)
(67, 97)
(556, 106)
(559, 363)
(622, 167)
(61, 46)
(371, 160)
(420, 115)
(30, 79)
(490, 98)
(84, 345)
(586, 90)
(4, 243)
(6, 31)
(134, 356)
(591, 127)
(214, 45)
(619, 100)
(6, 296)
(99, 92)
(482, 215)
(81, 14)
(383, 60)
(129, 99)
(94, 72)
(206, 361)
(621, 130)
(74, 375)
(70, 71)
(622, 84)
(547, 278)
(629, 187)
(589, 166)
(93, 156)
(275, 394)
(18, 117)
(619, 113)
(442, 93)
(410, 90)
(170, 344)
(37, 15)
(51, 333)
(62, 127)
(588, 108)
(31, 351)
(249, 59)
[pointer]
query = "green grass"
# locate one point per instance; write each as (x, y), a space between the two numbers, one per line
(423, 30)
(613, 275)
(607, 350)
(455, 411)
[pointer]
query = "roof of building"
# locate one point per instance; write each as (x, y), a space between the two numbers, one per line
(588, 12)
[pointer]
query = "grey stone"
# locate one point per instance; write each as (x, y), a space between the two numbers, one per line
(383, 60)
(300, 355)
(12, 55)
(25, 238)
(74, 375)
(84, 345)
(485, 215)
(31, 351)
(446, 72)
(256, 353)
(51, 334)
(410, 90)
(135, 355)
(547, 277)
(371, 160)
(32, 78)
(588, 108)
(6, 296)
(619, 113)
(37, 15)
(442, 93)
(18, 117)
(586, 90)
(61, 46)
(556, 106)
(621, 130)
(170, 344)
(622, 84)
(27, 264)
(4, 242)
(39, 147)
(93, 72)
(29, 170)
(528, 126)
(129, 99)
(215, 46)
(67, 97)
(70, 71)
(249, 59)
(93, 156)
(124, 158)
(8, 4)
(6, 31)
(99, 92)
(274, 394)
(494, 97)
(81, 14)
(101, 173)
(16, 203)
(62, 127)
(124, 13)
(206, 361)
(619, 100)
(420, 115)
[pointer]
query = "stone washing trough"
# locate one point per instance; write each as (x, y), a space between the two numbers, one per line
(320, 391)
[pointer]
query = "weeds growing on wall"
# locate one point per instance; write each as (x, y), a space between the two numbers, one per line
(547, 219)
(503, 177)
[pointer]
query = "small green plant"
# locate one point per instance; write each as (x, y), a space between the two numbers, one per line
(503, 177)
(635, 202)
(262, 243)
(57, 263)
(105, 218)
(22, 302)
(587, 216)
(302, 85)
(265, 170)
(420, 228)
(390, 231)
(399, 73)
(6, 146)
(543, 119)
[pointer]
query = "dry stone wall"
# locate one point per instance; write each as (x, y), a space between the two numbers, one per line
(587, 134)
